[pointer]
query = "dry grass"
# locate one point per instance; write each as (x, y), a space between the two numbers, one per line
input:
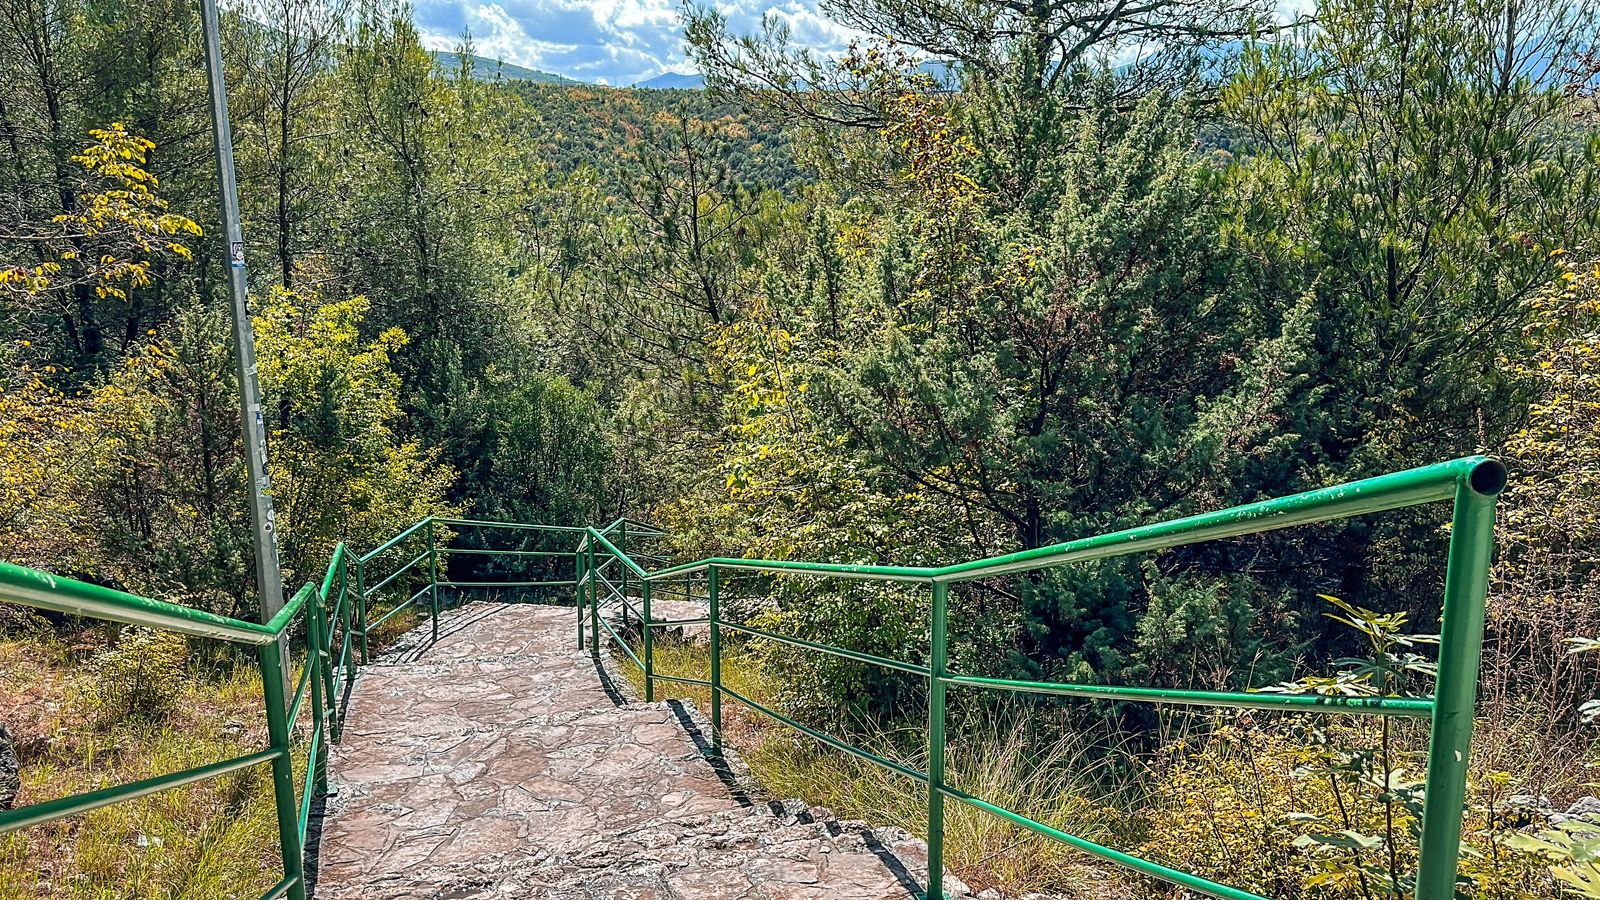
(216, 839)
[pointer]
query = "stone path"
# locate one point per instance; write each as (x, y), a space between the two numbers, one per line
(500, 762)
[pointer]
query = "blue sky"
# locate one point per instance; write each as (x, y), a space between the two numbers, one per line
(616, 42)
(620, 42)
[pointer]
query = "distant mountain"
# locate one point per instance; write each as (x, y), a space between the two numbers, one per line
(674, 80)
(485, 69)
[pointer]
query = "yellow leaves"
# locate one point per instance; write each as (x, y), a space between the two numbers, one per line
(119, 225)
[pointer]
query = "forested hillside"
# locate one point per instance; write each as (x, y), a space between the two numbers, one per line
(832, 310)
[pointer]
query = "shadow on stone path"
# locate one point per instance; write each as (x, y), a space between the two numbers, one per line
(499, 762)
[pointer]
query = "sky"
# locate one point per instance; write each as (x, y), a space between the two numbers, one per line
(622, 42)
(616, 42)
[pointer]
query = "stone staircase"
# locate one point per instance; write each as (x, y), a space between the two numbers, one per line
(502, 762)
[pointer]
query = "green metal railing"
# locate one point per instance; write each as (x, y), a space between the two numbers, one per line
(1471, 483)
(605, 573)
(325, 613)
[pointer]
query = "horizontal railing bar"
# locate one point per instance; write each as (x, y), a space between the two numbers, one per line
(699, 682)
(1382, 493)
(1370, 495)
(396, 611)
(836, 651)
(668, 623)
(477, 551)
(49, 811)
(831, 570)
(483, 584)
(525, 526)
(281, 889)
(625, 648)
(1143, 866)
(828, 739)
(395, 574)
(611, 548)
(396, 539)
(1375, 706)
(41, 590)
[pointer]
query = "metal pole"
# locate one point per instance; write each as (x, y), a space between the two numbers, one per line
(269, 579)
(273, 693)
(361, 609)
(936, 690)
(315, 658)
(649, 652)
(1466, 582)
(578, 575)
(433, 580)
(622, 545)
(716, 660)
(594, 602)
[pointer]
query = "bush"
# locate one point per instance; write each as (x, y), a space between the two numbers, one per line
(139, 677)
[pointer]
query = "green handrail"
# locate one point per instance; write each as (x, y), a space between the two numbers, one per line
(335, 606)
(320, 606)
(1471, 482)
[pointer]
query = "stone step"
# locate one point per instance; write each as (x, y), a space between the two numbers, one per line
(502, 762)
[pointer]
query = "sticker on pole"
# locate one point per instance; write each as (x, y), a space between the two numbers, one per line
(236, 254)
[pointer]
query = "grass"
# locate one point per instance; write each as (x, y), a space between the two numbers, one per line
(1062, 785)
(215, 839)
(211, 840)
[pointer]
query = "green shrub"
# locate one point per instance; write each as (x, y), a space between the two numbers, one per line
(138, 677)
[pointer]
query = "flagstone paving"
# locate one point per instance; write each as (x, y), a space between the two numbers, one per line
(502, 762)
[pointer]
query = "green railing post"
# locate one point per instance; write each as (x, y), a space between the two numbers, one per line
(936, 691)
(594, 603)
(578, 575)
(361, 609)
(649, 652)
(433, 580)
(319, 709)
(716, 660)
(277, 710)
(344, 618)
(1460, 644)
(325, 660)
(622, 545)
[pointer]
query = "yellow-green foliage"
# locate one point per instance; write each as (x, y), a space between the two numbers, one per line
(1293, 810)
(341, 470)
(114, 235)
(139, 677)
(1546, 586)
(136, 479)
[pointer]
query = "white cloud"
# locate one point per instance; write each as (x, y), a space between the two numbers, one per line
(620, 41)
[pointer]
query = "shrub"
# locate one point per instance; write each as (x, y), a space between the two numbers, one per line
(138, 677)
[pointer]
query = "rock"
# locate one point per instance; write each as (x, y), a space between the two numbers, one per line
(989, 894)
(1585, 808)
(10, 770)
(955, 887)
